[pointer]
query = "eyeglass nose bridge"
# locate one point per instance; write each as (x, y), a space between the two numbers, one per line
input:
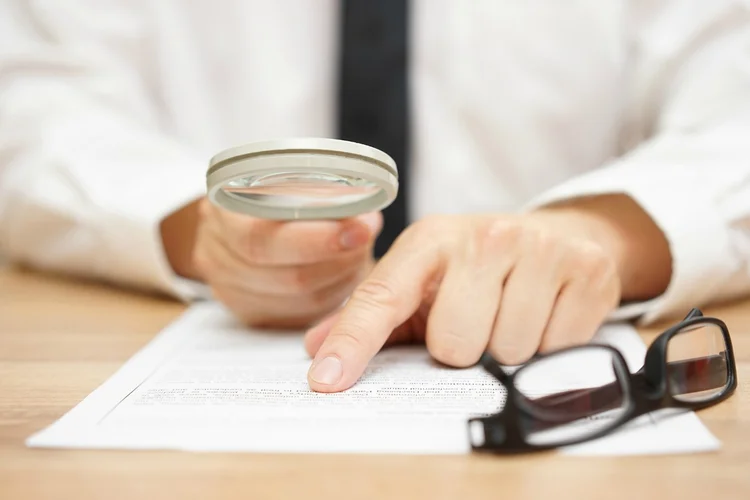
(643, 387)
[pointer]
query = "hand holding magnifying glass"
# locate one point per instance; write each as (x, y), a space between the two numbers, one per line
(288, 228)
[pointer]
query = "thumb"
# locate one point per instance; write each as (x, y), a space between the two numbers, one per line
(315, 336)
(373, 221)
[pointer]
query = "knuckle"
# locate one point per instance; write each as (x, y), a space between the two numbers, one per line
(493, 237)
(253, 249)
(252, 243)
(375, 294)
(595, 261)
(298, 280)
(548, 245)
(205, 209)
(505, 230)
(500, 235)
(349, 337)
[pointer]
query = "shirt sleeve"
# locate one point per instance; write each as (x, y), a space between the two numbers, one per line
(691, 172)
(87, 170)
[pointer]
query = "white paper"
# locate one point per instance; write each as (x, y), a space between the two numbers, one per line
(206, 383)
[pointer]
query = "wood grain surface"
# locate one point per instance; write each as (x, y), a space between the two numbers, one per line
(61, 338)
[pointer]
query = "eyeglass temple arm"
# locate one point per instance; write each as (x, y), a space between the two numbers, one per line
(694, 313)
(568, 406)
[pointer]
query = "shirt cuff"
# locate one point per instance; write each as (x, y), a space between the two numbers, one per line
(130, 228)
(695, 231)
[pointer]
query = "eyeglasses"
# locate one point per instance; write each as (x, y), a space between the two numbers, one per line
(589, 392)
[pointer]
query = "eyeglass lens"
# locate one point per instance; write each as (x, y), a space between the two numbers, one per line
(697, 363)
(571, 395)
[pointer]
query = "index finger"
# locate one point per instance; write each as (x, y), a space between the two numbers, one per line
(383, 301)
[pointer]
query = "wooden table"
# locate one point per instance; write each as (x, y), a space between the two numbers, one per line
(60, 339)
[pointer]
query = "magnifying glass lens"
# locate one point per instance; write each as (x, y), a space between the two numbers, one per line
(298, 189)
(305, 178)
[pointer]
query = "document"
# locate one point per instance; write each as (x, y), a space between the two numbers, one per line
(206, 383)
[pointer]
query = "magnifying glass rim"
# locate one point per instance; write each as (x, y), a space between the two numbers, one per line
(329, 156)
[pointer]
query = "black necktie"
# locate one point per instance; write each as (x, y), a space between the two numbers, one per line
(373, 105)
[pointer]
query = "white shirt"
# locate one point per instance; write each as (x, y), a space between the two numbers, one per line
(110, 111)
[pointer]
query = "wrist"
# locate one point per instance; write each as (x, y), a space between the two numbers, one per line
(178, 233)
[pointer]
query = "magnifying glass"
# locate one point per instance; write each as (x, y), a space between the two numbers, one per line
(302, 178)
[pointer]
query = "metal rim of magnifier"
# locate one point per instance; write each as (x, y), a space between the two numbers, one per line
(303, 155)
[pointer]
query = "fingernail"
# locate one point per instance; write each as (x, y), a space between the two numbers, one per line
(353, 236)
(371, 220)
(328, 371)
